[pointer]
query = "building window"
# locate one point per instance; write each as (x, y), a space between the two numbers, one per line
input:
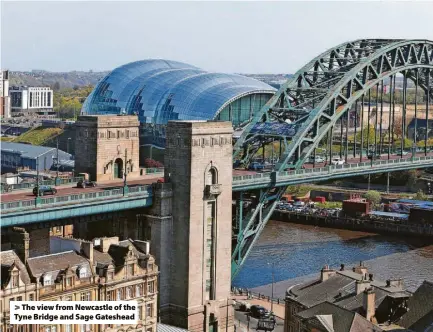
(129, 292)
(68, 328)
(149, 329)
(140, 313)
(83, 272)
(19, 298)
(149, 310)
(85, 296)
(151, 287)
(119, 294)
(69, 281)
(15, 280)
(130, 269)
(51, 328)
(68, 298)
(85, 328)
(150, 266)
(47, 280)
(208, 283)
(110, 275)
(31, 297)
(138, 290)
(209, 243)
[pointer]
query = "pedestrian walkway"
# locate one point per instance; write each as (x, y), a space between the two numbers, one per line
(278, 309)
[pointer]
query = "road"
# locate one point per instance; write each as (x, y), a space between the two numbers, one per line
(242, 318)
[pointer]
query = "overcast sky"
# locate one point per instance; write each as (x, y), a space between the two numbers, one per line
(242, 37)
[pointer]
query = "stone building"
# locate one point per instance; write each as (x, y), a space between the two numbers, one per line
(190, 226)
(355, 290)
(107, 146)
(77, 270)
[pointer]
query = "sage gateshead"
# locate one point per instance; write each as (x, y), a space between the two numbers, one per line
(160, 90)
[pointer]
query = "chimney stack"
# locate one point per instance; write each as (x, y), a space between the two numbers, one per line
(106, 242)
(20, 243)
(326, 273)
(361, 269)
(369, 305)
(87, 248)
(362, 285)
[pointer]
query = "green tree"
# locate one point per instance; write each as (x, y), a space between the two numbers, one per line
(373, 197)
(412, 176)
(56, 86)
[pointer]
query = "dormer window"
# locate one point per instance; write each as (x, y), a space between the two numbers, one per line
(83, 272)
(150, 266)
(15, 280)
(47, 281)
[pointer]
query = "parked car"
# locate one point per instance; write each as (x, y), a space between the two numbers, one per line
(44, 190)
(86, 183)
(258, 311)
(244, 306)
(337, 161)
(160, 180)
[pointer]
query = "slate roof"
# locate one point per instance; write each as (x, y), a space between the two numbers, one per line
(343, 320)
(340, 288)
(7, 258)
(420, 314)
(27, 150)
(55, 263)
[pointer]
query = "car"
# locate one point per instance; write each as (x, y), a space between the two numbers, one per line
(400, 153)
(373, 156)
(256, 166)
(86, 183)
(160, 180)
(258, 311)
(44, 190)
(317, 160)
(337, 161)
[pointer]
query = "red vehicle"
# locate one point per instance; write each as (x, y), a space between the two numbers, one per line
(160, 180)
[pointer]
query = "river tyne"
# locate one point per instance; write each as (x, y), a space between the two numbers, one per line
(296, 253)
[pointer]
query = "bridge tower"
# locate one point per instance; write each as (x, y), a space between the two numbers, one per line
(198, 161)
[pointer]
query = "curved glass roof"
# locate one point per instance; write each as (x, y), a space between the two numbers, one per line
(162, 90)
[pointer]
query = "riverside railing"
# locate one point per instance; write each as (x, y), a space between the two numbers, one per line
(141, 190)
(269, 177)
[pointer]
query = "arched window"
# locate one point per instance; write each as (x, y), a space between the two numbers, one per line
(212, 176)
(47, 280)
(119, 294)
(83, 272)
(129, 292)
(139, 290)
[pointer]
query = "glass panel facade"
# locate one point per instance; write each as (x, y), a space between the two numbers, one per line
(160, 90)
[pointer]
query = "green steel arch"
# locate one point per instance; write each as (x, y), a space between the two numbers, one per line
(324, 89)
(314, 99)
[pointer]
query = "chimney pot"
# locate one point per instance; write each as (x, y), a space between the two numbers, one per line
(371, 276)
(388, 283)
(342, 267)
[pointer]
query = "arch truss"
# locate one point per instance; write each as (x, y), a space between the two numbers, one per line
(307, 106)
(323, 97)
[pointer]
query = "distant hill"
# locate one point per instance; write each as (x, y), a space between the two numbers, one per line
(65, 80)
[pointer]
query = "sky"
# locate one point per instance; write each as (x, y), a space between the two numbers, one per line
(231, 37)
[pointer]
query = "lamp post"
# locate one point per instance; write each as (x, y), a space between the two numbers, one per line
(57, 162)
(125, 171)
(272, 288)
(67, 146)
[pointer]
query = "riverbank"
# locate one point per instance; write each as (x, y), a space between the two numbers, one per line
(404, 228)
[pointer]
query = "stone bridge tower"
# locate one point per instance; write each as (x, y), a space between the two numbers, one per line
(198, 161)
(106, 146)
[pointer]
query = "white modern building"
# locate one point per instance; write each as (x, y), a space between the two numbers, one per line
(25, 98)
(5, 101)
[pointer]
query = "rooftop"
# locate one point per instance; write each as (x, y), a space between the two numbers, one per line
(26, 150)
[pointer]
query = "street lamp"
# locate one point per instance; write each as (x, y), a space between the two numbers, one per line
(272, 288)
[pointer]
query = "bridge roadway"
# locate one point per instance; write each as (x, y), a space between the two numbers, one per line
(22, 207)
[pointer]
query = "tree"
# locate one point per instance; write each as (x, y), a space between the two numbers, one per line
(421, 196)
(373, 197)
(412, 176)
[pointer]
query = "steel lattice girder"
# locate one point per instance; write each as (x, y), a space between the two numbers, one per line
(314, 99)
(323, 90)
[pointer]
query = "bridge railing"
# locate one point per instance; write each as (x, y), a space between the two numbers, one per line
(51, 182)
(267, 177)
(74, 198)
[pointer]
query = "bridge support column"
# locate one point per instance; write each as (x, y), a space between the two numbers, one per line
(387, 183)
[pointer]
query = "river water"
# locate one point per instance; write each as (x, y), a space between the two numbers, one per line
(298, 252)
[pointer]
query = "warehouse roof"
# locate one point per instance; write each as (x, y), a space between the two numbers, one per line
(26, 150)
